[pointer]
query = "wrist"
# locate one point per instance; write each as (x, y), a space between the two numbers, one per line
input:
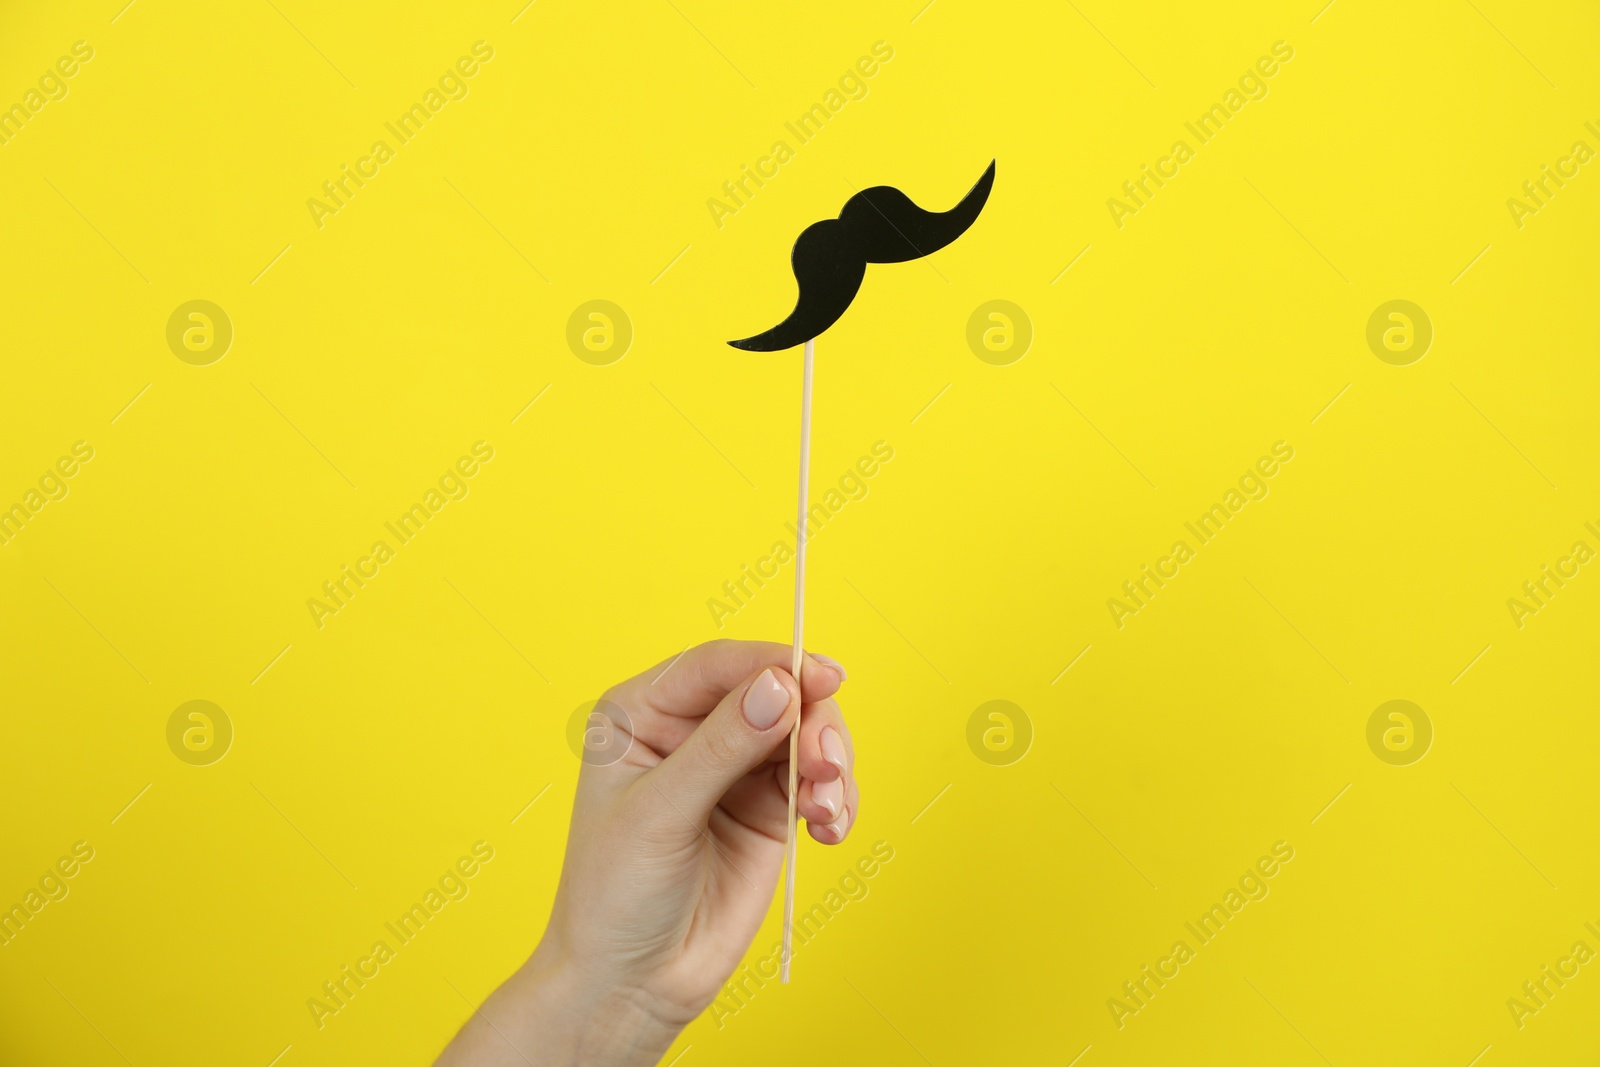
(583, 1016)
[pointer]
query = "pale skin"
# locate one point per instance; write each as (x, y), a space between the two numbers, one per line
(673, 858)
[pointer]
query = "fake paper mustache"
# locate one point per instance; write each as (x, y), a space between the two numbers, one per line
(877, 225)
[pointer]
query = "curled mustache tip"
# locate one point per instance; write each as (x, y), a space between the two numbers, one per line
(877, 225)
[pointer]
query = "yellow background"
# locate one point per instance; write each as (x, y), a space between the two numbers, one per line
(425, 315)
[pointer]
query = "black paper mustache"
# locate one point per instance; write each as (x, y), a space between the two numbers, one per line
(877, 225)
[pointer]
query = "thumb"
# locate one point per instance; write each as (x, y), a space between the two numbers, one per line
(737, 737)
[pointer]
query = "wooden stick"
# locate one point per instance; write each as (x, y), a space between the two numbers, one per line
(792, 829)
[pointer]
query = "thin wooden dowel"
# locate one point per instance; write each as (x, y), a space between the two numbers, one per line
(792, 829)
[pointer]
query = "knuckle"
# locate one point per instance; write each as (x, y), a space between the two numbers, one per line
(721, 745)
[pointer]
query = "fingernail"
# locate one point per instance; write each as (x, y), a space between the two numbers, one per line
(841, 825)
(832, 747)
(765, 701)
(835, 664)
(830, 796)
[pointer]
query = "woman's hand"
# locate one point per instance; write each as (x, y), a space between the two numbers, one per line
(676, 844)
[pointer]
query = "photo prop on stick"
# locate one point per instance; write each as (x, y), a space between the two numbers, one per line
(877, 225)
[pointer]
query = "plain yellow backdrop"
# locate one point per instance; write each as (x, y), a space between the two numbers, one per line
(374, 346)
